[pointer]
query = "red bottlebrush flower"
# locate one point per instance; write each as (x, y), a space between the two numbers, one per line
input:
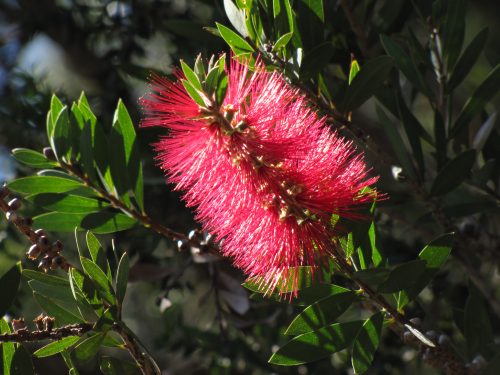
(263, 170)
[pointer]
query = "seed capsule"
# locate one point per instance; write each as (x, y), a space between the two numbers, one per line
(11, 216)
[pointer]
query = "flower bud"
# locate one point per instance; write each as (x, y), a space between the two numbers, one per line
(49, 153)
(34, 252)
(40, 232)
(11, 216)
(56, 262)
(44, 264)
(14, 204)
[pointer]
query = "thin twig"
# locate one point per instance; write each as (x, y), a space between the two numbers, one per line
(24, 335)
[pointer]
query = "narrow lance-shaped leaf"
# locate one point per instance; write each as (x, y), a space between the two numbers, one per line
(483, 94)
(98, 254)
(43, 184)
(53, 309)
(32, 158)
(321, 313)
(366, 343)
(88, 348)
(99, 278)
(315, 345)
(236, 42)
(56, 346)
(453, 173)
(21, 362)
(7, 348)
(122, 277)
(9, 284)
(67, 203)
(467, 60)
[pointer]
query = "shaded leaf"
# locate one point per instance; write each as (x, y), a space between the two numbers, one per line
(9, 285)
(99, 278)
(467, 60)
(67, 203)
(481, 96)
(236, 17)
(122, 277)
(21, 362)
(454, 30)
(402, 276)
(453, 173)
(434, 255)
(366, 343)
(316, 59)
(316, 345)
(477, 324)
(98, 254)
(370, 78)
(88, 348)
(53, 309)
(321, 313)
(405, 64)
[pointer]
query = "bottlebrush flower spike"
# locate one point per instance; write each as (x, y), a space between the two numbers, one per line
(262, 168)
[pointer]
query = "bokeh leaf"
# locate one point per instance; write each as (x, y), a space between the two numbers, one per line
(366, 343)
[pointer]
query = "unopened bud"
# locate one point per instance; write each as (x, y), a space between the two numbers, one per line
(28, 221)
(11, 216)
(14, 204)
(57, 262)
(182, 245)
(49, 153)
(58, 245)
(443, 339)
(44, 264)
(40, 232)
(432, 335)
(43, 241)
(34, 252)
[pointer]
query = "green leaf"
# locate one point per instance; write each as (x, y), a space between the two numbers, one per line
(435, 255)
(45, 278)
(88, 348)
(236, 17)
(60, 135)
(236, 42)
(310, 22)
(467, 60)
(72, 370)
(353, 70)
(193, 93)
(453, 173)
(21, 362)
(282, 41)
(366, 343)
(55, 310)
(67, 203)
(191, 76)
(32, 158)
(316, 345)
(56, 346)
(397, 143)
(58, 293)
(481, 96)
(122, 124)
(402, 276)
(98, 254)
(7, 348)
(454, 30)
(43, 184)
(122, 278)
(373, 276)
(9, 284)
(370, 78)
(55, 108)
(321, 313)
(99, 278)
(405, 64)
(115, 366)
(81, 283)
(478, 329)
(98, 222)
(316, 59)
